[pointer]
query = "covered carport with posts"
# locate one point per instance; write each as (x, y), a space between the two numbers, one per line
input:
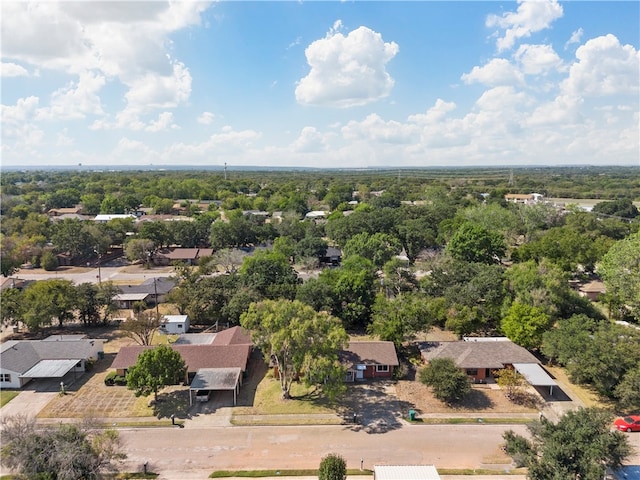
(217, 379)
(536, 375)
(63, 370)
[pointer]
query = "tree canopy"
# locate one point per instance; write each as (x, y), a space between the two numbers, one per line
(449, 383)
(581, 446)
(155, 368)
(298, 341)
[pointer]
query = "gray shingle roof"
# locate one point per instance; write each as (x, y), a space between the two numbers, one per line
(369, 353)
(20, 356)
(478, 354)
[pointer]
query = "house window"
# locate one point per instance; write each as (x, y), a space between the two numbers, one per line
(473, 372)
(382, 368)
(5, 377)
(179, 325)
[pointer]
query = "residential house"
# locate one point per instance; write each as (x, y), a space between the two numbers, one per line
(332, 256)
(218, 365)
(369, 360)
(60, 357)
(189, 256)
(104, 218)
(592, 290)
(479, 357)
(56, 212)
(151, 291)
(526, 199)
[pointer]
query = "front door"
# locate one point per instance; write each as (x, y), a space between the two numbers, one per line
(360, 371)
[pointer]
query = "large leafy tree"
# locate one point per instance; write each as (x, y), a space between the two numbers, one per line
(379, 247)
(623, 207)
(154, 369)
(581, 446)
(298, 341)
(620, 270)
(47, 300)
(448, 382)
(270, 274)
(525, 325)
(141, 328)
(399, 319)
(68, 451)
(475, 243)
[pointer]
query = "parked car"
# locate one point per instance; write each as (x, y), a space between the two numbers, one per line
(203, 395)
(628, 424)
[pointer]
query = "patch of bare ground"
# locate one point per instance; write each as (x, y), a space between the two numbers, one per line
(483, 399)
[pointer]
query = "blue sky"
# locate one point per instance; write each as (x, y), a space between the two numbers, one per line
(320, 84)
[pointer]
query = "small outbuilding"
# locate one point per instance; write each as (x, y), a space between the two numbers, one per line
(174, 324)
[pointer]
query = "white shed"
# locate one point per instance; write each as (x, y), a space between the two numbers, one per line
(175, 324)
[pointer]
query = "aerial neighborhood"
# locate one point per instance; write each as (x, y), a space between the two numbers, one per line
(403, 326)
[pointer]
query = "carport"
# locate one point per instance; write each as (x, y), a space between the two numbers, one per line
(217, 379)
(52, 368)
(535, 375)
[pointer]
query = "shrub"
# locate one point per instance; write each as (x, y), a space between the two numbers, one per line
(332, 467)
(48, 261)
(449, 383)
(113, 378)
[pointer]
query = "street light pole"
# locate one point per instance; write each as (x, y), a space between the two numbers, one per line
(97, 251)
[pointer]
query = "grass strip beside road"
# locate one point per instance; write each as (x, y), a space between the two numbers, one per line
(471, 420)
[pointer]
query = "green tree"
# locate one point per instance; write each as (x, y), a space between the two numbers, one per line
(332, 467)
(379, 247)
(448, 382)
(474, 243)
(399, 319)
(510, 381)
(270, 274)
(560, 344)
(154, 369)
(64, 452)
(620, 271)
(48, 261)
(298, 341)
(627, 391)
(581, 446)
(623, 207)
(11, 306)
(525, 325)
(157, 232)
(139, 249)
(87, 303)
(46, 300)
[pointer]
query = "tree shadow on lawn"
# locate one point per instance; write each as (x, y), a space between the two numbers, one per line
(373, 407)
(256, 371)
(476, 399)
(172, 403)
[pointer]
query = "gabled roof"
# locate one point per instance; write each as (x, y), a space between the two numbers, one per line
(369, 353)
(20, 356)
(162, 285)
(484, 354)
(195, 356)
(233, 336)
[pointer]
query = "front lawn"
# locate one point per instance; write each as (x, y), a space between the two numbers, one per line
(6, 396)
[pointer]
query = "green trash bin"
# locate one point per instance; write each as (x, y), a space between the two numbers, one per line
(412, 415)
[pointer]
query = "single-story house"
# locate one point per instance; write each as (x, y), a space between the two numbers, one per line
(153, 290)
(479, 357)
(104, 218)
(526, 199)
(174, 324)
(218, 365)
(190, 256)
(592, 290)
(369, 360)
(405, 472)
(56, 212)
(126, 300)
(56, 357)
(316, 215)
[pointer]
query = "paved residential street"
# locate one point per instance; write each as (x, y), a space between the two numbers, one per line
(249, 448)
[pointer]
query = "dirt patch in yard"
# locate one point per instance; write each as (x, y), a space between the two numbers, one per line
(482, 399)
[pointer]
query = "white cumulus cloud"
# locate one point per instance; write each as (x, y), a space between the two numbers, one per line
(498, 71)
(604, 67)
(10, 69)
(347, 71)
(206, 118)
(532, 16)
(538, 59)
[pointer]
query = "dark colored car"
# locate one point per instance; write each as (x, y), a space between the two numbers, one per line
(628, 424)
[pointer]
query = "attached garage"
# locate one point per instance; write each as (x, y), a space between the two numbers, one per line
(535, 375)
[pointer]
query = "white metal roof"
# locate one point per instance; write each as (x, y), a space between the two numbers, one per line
(127, 297)
(50, 368)
(216, 379)
(175, 318)
(535, 374)
(405, 472)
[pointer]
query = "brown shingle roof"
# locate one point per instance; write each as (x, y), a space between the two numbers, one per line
(478, 354)
(195, 356)
(232, 336)
(369, 353)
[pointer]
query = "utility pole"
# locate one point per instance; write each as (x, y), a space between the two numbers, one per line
(155, 290)
(225, 171)
(97, 251)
